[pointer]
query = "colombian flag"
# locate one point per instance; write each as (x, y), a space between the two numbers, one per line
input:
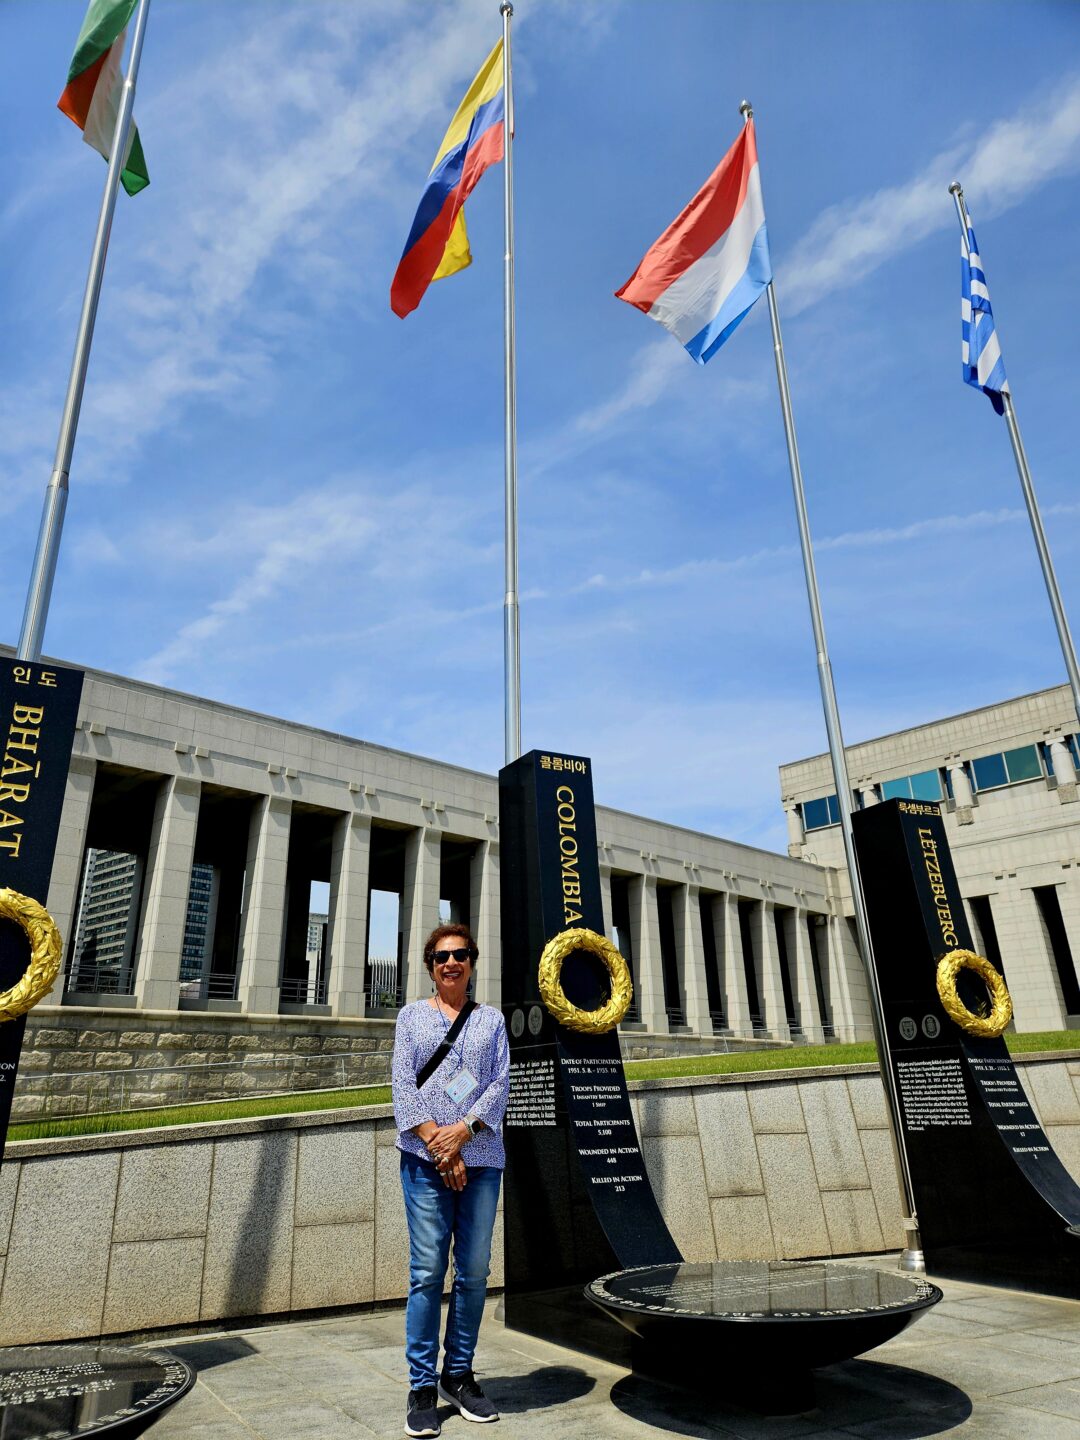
(437, 243)
(92, 95)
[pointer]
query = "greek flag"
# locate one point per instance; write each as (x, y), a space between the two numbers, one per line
(983, 366)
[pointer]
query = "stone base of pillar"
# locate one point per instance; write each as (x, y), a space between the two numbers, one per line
(260, 999)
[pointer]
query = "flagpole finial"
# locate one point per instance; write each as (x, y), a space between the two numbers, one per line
(746, 110)
(506, 8)
(956, 188)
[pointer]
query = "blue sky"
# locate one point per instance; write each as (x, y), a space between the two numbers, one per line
(286, 498)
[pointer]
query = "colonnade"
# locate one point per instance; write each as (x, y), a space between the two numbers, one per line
(744, 949)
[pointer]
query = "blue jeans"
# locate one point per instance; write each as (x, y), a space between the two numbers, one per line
(435, 1214)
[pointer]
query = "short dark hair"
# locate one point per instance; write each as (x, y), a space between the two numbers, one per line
(454, 931)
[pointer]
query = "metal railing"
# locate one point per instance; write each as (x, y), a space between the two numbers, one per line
(100, 980)
(382, 988)
(296, 991)
(218, 985)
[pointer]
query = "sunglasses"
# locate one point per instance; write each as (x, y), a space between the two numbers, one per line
(440, 957)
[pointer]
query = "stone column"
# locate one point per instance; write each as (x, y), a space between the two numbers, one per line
(346, 940)
(1064, 770)
(729, 950)
(419, 907)
(70, 854)
(1028, 957)
(645, 942)
(1069, 900)
(165, 894)
(770, 986)
(806, 996)
(963, 799)
(263, 920)
(796, 833)
(484, 909)
(690, 955)
(869, 796)
(605, 898)
(852, 1019)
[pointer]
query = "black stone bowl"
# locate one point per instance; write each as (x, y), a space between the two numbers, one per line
(779, 1315)
(87, 1390)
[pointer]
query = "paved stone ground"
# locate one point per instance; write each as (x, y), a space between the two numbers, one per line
(984, 1363)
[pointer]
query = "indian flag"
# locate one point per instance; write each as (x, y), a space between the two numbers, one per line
(94, 84)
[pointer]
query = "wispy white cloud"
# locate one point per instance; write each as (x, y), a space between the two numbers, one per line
(652, 369)
(356, 532)
(1011, 158)
(881, 536)
(848, 241)
(251, 188)
(285, 545)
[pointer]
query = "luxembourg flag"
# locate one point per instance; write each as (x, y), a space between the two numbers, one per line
(704, 273)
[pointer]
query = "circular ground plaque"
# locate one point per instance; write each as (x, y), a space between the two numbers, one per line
(50, 1392)
(796, 1314)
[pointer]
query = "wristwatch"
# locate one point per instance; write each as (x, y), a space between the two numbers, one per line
(475, 1125)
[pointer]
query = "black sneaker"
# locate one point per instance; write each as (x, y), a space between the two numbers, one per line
(465, 1395)
(422, 1416)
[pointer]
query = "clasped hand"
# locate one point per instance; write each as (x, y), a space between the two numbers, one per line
(444, 1147)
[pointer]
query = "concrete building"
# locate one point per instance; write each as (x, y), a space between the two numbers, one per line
(238, 814)
(198, 926)
(1007, 779)
(108, 913)
(109, 905)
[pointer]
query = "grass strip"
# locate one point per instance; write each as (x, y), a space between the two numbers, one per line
(201, 1112)
(796, 1057)
(1043, 1040)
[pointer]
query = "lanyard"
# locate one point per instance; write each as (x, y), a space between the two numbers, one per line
(456, 1045)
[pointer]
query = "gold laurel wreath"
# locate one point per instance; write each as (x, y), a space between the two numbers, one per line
(988, 1027)
(588, 1022)
(45, 944)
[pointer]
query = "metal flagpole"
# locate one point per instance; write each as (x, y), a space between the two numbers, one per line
(511, 612)
(912, 1256)
(1019, 455)
(39, 592)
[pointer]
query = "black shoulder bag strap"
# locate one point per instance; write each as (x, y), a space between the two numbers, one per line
(424, 1074)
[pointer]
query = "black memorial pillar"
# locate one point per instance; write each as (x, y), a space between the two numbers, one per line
(39, 705)
(993, 1199)
(578, 1200)
(61, 1390)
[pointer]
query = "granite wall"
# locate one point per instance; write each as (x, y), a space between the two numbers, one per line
(167, 1229)
(80, 1060)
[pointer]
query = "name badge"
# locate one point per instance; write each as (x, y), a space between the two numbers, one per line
(462, 1086)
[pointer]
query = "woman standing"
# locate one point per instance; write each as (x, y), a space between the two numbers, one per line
(451, 1080)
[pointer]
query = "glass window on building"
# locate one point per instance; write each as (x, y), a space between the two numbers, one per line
(926, 785)
(1008, 767)
(817, 814)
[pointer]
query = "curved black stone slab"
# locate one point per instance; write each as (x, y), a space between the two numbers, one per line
(790, 1315)
(578, 1196)
(49, 1392)
(994, 1200)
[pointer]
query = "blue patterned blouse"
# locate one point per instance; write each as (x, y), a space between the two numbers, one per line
(482, 1047)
